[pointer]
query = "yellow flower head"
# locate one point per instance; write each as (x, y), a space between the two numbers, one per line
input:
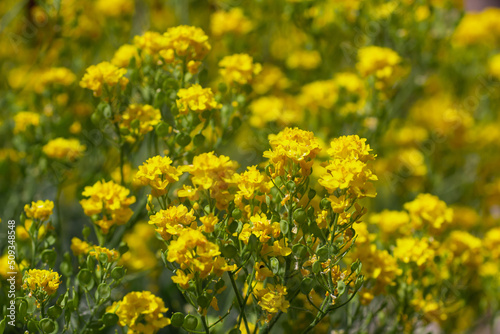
(304, 59)
(192, 250)
(109, 200)
(151, 42)
(103, 75)
(56, 75)
(173, 220)
(39, 209)
(187, 41)
(383, 63)
(79, 247)
(124, 54)
(429, 211)
(494, 66)
(111, 254)
(197, 99)
(35, 279)
(115, 8)
(64, 149)
(413, 250)
(232, 21)
(145, 115)
(272, 298)
(158, 173)
(215, 174)
(239, 68)
(141, 312)
(292, 147)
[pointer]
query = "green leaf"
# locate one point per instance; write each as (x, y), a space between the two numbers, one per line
(117, 273)
(284, 227)
(306, 285)
(3, 322)
(229, 251)
(275, 265)
(49, 326)
(341, 288)
(299, 250)
(49, 257)
(316, 267)
(203, 301)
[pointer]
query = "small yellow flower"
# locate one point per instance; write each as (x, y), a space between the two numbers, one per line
(64, 149)
(239, 68)
(24, 119)
(103, 75)
(35, 279)
(197, 99)
(39, 210)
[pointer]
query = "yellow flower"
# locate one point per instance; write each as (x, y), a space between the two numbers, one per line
(35, 279)
(115, 8)
(142, 312)
(261, 227)
(391, 223)
(304, 59)
(124, 54)
(274, 109)
(494, 66)
(270, 78)
(151, 42)
(292, 147)
(39, 210)
(466, 248)
(347, 170)
(64, 149)
(428, 211)
(414, 250)
(141, 242)
(109, 200)
(193, 251)
(144, 115)
(56, 75)
(197, 99)
(383, 63)
(158, 173)
(272, 298)
(239, 68)
(187, 41)
(103, 75)
(182, 279)
(209, 223)
(232, 21)
(79, 247)
(478, 28)
(215, 174)
(173, 220)
(111, 254)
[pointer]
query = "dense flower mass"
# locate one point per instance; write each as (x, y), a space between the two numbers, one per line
(24, 119)
(64, 149)
(141, 312)
(309, 166)
(197, 99)
(292, 152)
(188, 41)
(103, 76)
(39, 210)
(46, 280)
(110, 202)
(158, 173)
(239, 69)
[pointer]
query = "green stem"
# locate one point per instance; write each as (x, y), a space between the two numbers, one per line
(204, 322)
(240, 301)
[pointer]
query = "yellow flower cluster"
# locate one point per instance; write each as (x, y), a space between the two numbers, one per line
(24, 119)
(64, 149)
(214, 174)
(39, 210)
(124, 55)
(233, 21)
(267, 109)
(428, 211)
(239, 69)
(36, 279)
(103, 76)
(195, 254)
(187, 41)
(139, 119)
(142, 312)
(478, 28)
(304, 59)
(151, 42)
(272, 299)
(115, 8)
(292, 153)
(173, 220)
(197, 99)
(348, 170)
(80, 247)
(261, 227)
(56, 75)
(494, 66)
(158, 173)
(110, 201)
(414, 250)
(383, 63)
